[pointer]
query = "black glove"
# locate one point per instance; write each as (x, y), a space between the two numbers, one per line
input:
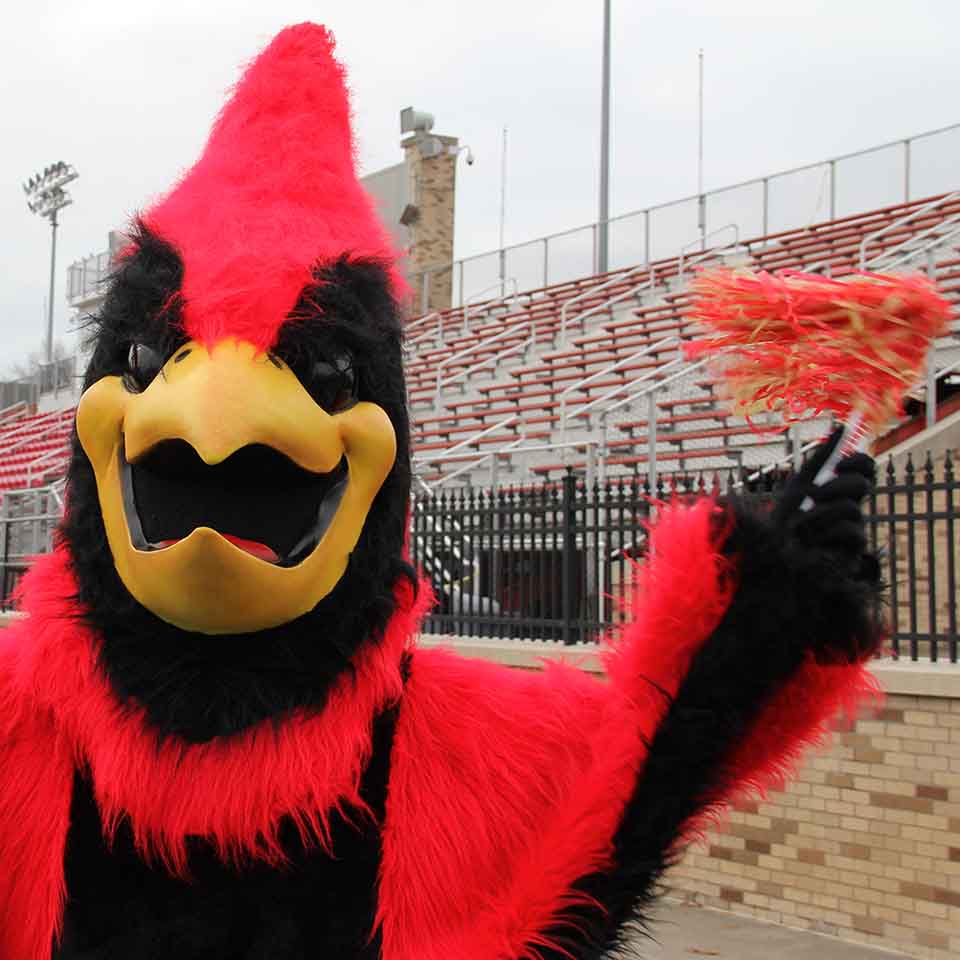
(834, 524)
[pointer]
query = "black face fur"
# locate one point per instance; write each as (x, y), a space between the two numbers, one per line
(198, 686)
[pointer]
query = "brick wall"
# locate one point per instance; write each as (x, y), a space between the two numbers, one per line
(433, 191)
(865, 844)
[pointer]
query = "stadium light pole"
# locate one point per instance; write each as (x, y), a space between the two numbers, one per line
(46, 197)
(603, 225)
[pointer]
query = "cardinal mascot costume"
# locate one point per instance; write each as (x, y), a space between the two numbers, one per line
(218, 738)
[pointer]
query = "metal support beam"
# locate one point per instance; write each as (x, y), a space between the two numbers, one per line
(604, 215)
(652, 441)
(53, 270)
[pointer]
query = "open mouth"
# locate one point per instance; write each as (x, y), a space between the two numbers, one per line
(257, 498)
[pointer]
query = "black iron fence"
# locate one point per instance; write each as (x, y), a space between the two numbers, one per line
(547, 562)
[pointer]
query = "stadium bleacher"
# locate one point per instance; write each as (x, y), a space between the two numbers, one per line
(523, 379)
(603, 356)
(34, 447)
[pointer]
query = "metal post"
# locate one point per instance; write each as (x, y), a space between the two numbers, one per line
(833, 189)
(546, 261)
(647, 258)
(569, 553)
(932, 355)
(701, 199)
(906, 171)
(766, 205)
(604, 217)
(652, 440)
(932, 388)
(503, 213)
(53, 267)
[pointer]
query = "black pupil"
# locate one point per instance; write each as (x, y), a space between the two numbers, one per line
(332, 383)
(143, 364)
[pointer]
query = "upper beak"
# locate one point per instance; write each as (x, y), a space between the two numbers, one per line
(227, 397)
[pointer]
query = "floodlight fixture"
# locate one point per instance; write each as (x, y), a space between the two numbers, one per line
(46, 197)
(415, 121)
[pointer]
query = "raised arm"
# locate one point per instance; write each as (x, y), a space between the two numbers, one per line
(741, 701)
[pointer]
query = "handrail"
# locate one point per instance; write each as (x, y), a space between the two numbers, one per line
(489, 304)
(706, 254)
(596, 288)
(919, 211)
(473, 348)
(827, 164)
(13, 411)
(63, 455)
(418, 322)
(512, 447)
(472, 439)
(623, 361)
(910, 251)
(53, 420)
(655, 387)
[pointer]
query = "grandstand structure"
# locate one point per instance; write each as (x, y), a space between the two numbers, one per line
(589, 375)
(586, 375)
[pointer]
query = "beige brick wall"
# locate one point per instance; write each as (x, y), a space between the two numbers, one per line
(433, 189)
(864, 844)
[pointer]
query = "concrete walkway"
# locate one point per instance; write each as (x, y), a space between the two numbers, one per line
(693, 933)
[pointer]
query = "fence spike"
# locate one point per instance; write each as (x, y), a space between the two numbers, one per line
(948, 467)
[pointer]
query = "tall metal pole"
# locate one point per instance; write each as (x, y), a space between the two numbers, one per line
(604, 215)
(701, 200)
(503, 215)
(53, 267)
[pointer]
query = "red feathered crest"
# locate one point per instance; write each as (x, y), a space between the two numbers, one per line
(274, 193)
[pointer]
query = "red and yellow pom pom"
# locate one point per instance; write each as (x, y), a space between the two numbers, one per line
(802, 344)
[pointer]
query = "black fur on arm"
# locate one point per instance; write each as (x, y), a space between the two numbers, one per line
(805, 585)
(201, 687)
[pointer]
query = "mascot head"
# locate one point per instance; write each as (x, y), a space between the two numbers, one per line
(238, 489)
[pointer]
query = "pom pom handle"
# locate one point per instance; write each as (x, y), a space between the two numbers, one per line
(853, 438)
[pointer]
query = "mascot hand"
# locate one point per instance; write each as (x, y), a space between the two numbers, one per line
(834, 523)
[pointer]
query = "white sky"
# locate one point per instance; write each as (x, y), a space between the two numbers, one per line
(126, 92)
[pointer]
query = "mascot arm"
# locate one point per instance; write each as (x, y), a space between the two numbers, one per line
(529, 814)
(740, 699)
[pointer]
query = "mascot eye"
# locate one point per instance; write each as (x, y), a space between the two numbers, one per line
(143, 364)
(332, 382)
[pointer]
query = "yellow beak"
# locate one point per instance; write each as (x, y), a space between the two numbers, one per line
(219, 401)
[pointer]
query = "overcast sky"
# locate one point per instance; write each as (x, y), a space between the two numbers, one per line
(126, 92)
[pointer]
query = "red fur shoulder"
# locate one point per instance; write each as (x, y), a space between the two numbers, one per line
(58, 713)
(501, 797)
(36, 777)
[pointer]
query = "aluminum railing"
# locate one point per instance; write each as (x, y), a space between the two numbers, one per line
(871, 238)
(918, 245)
(646, 270)
(526, 344)
(774, 203)
(707, 254)
(652, 348)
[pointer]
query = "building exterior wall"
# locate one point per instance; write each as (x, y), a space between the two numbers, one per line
(390, 189)
(864, 844)
(432, 165)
